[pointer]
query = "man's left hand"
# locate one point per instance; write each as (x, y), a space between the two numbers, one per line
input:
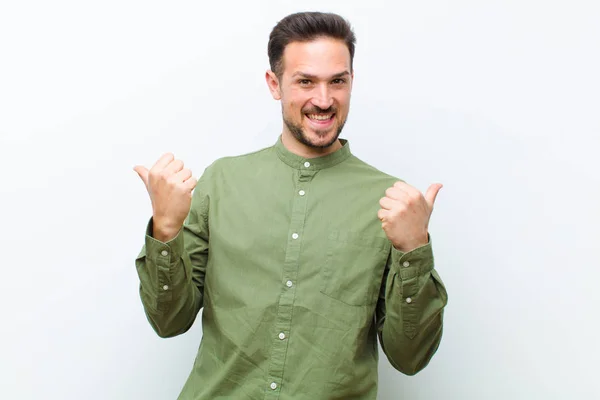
(405, 214)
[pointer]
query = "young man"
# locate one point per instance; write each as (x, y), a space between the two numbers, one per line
(301, 254)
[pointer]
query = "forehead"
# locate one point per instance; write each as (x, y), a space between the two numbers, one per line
(322, 56)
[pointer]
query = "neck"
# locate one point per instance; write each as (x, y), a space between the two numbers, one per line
(302, 150)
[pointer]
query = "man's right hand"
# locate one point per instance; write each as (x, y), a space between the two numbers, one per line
(170, 187)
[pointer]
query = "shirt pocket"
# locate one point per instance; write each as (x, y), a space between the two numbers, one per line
(353, 267)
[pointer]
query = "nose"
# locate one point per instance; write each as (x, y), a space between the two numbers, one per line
(322, 97)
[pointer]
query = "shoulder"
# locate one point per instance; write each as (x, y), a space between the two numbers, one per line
(237, 163)
(366, 173)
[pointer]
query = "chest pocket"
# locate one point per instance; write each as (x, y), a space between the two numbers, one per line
(353, 267)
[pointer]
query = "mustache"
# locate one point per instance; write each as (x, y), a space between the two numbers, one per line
(318, 110)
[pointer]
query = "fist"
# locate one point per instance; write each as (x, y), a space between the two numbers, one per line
(405, 214)
(170, 187)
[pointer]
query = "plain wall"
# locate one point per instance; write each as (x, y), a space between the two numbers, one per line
(498, 100)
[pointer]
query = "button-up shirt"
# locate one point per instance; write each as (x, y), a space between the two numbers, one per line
(296, 278)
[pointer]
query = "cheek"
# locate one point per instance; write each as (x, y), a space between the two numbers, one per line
(342, 108)
(297, 100)
(294, 106)
(344, 102)
(292, 111)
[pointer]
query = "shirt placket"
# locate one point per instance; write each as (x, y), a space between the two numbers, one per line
(283, 319)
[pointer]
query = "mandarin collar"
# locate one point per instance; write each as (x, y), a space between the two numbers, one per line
(314, 163)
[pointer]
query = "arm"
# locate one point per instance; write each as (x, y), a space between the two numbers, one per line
(409, 313)
(172, 273)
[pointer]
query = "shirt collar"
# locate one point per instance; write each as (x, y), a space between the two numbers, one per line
(315, 163)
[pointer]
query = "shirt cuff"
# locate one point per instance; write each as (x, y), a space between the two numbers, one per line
(169, 252)
(411, 265)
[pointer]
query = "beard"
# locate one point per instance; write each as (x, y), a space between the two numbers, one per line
(298, 131)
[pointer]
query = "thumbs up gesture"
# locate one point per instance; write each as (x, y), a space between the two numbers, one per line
(405, 214)
(170, 187)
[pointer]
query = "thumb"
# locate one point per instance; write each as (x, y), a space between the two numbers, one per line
(143, 173)
(432, 192)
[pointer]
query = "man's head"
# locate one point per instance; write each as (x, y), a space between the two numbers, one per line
(311, 56)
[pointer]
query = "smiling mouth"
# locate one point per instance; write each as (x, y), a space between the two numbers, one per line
(320, 118)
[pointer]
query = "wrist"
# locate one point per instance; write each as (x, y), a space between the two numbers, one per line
(164, 231)
(410, 246)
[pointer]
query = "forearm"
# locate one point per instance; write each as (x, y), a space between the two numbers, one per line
(411, 310)
(169, 296)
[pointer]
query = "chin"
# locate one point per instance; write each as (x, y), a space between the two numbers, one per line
(323, 140)
(316, 138)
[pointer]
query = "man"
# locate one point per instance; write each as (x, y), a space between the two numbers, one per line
(300, 253)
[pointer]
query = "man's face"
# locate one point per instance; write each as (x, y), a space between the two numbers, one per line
(314, 90)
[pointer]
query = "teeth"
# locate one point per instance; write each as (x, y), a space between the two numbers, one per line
(320, 117)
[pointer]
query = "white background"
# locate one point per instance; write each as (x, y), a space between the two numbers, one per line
(498, 100)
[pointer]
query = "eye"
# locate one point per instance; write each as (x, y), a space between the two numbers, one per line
(304, 82)
(338, 81)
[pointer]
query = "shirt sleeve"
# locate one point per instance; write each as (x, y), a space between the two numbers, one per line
(410, 309)
(172, 274)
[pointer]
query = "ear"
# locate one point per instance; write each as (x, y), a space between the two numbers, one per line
(273, 84)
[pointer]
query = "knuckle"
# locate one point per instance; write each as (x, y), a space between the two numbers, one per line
(171, 180)
(154, 174)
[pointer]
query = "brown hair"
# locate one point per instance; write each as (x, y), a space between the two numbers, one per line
(305, 27)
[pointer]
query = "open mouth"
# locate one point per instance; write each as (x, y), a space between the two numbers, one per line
(320, 119)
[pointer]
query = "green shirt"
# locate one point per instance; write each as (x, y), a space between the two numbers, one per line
(297, 280)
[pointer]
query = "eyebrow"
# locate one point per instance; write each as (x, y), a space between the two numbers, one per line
(310, 76)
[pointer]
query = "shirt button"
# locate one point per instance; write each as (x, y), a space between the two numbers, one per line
(282, 336)
(166, 287)
(164, 253)
(408, 300)
(302, 193)
(289, 283)
(295, 236)
(273, 385)
(307, 164)
(406, 263)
